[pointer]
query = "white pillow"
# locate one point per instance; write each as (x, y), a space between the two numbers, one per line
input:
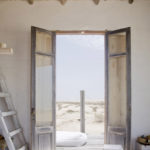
(70, 139)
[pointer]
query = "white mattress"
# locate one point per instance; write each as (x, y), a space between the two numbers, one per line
(70, 139)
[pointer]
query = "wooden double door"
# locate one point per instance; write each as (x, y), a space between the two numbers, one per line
(117, 88)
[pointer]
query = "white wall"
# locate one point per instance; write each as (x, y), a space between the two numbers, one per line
(17, 17)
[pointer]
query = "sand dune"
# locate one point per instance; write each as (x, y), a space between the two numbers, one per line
(68, 117)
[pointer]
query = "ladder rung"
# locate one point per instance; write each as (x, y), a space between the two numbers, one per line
(9, 113)
(22, 148)
(15, 132)
(2, 94)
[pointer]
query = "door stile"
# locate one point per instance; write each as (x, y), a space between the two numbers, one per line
(106, 88)
(54, 89)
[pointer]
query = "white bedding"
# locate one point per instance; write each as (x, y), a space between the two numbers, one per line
(70, 139)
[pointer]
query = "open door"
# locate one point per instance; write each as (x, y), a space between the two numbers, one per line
(43, 89)
(118, 88)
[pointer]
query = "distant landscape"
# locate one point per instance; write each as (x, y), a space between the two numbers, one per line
(68, 116)
(80, 67)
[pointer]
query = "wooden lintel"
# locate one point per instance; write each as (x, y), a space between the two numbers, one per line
(96, 1)
(131, 1)
(31, 1)
(63, 2)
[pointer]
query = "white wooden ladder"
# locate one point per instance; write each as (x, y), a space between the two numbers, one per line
(9, 123)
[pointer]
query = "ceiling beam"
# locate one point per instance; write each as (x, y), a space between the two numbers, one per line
(30, 1)
(96, 1)
(131, 1)
(63, 2)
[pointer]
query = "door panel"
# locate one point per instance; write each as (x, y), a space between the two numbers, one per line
(118, 88)
(43, 89)
(117, 91)
(44, 142)
(117, 43)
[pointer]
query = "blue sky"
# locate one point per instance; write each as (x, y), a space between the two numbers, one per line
(79, 66)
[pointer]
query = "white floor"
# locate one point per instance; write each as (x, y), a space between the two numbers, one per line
(93, 143)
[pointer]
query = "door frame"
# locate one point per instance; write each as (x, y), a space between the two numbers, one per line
(128, 68)
(87, 32)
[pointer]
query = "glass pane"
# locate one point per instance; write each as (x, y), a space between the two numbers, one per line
(43, 90)
(117, 43)
(43, 42)
(117, 91)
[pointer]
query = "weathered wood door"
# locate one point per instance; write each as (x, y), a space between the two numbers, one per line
(118, 88)
(43, 89)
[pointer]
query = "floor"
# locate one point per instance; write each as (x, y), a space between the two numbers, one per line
(93, 143)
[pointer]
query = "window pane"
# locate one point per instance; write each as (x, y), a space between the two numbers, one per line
(117, 43)
(43, 42)
(117, 91)
(43, 90)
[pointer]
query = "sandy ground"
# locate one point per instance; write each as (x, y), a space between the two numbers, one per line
(68, 117)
